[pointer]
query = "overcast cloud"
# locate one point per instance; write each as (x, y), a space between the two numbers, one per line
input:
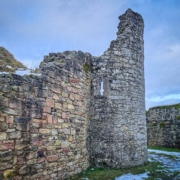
(32, 29)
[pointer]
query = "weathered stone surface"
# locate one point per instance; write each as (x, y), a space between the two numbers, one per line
(5, 145)
(50, 102)
(52, 158)
(3, 126)
(15, 135)
(10, 173)
(47, 122)
(44, 131)
(3, 136)
(118, 99)
(163, 124)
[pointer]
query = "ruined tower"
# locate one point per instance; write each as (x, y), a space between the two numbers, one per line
(117, 126)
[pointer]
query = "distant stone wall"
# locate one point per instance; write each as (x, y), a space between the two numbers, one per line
(117, 134)
(163, 126)
(43, 119)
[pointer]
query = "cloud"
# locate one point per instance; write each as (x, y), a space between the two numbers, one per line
(32, 29)
(150, 104)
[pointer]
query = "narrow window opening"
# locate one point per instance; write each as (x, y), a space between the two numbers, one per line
(102, 89)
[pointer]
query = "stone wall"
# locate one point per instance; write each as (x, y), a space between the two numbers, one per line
(117, 127)
(43, 119)
(81, 111)
(163, 125)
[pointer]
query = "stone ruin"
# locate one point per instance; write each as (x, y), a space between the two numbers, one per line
(163, 126)
(83, 110)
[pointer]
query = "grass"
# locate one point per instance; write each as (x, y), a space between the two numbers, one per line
(6, 58)
(156, 170)
(176, 106)
(94, 173)
(164, 149)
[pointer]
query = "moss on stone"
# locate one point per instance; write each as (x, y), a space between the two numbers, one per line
(162, 124)
(52, 59)
(178, 118)
(87, 67)
(61, 61)
(10, 173)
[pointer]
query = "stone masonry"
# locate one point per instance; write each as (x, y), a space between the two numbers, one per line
(81, 111)
(117, 126)
(163, 126)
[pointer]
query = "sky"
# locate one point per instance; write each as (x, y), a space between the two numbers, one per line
(30, 29)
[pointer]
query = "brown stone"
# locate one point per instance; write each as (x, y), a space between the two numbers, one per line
(47, 109)
(64, 94)
(49, 119)
(71, 96)
(37, 141)
(73, 80)
(3, 126)
(50, 102)
(10, 120)
(58, 105)
(52, 158)
(64, 116)
(55, 97)
(55, 120)
(3, 136)
(44, 131)
(5, 145)
(70, 106)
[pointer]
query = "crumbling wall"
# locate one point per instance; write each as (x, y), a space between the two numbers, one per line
(163, 126)
(43, 119)
(80, 104)
(117, 128)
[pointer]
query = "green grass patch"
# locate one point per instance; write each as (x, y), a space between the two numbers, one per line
(94, 173)
(164, 149)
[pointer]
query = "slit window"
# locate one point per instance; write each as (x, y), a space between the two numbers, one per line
(102, 89)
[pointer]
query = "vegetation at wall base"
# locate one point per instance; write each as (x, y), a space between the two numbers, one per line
(94, 173)
(164, 149)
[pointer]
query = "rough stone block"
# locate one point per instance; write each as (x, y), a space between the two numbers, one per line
(64, 116)
(52, 158)
(44, 131)
(70, 106)
(50, 102)
(49, 118)
(3, 126)
(10, 120)
(9, 173)
(15, 135)
(3, 136)
(5, 145)
(46, 109)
